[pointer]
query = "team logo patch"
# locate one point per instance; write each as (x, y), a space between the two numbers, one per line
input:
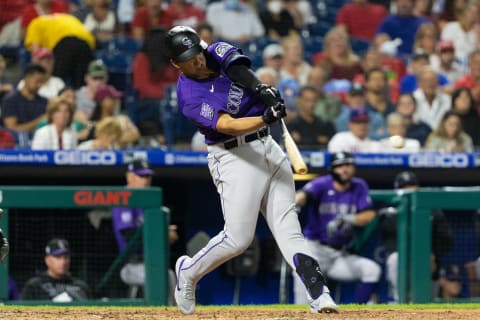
(221, 49)
(187, 42)
(206, 111)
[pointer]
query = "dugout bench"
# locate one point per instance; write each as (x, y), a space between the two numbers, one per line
(155, 231)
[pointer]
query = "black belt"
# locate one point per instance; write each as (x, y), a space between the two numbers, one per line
(235, 142)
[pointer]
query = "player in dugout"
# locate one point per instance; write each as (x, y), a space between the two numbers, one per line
(219, 92)
(337, 203)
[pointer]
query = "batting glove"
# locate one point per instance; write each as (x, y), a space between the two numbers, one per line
(274, 113)
(268, 94)
(334, 225)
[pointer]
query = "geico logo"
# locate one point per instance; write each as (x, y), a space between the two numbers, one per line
(434, 160)
(86, 157)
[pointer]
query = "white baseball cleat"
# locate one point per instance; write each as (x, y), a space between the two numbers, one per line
(185, 288)
(324, 303)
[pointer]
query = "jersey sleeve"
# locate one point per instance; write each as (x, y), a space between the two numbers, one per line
(313, 188)
(224, 54)
(364, 202)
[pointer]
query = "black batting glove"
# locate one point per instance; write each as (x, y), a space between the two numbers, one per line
(268, 94)
(274, 113)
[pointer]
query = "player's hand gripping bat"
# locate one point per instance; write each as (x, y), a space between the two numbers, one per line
(296, 159)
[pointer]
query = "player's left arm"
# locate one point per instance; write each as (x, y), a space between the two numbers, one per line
(238, 126)
(363, 218)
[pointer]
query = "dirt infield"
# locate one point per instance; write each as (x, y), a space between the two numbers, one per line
(225, 313)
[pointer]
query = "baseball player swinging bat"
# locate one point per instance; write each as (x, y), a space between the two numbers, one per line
(296, 158)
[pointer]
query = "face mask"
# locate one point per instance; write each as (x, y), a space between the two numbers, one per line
(232, 4)
(275, 6)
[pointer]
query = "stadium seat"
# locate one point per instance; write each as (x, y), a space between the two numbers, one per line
(319, 28)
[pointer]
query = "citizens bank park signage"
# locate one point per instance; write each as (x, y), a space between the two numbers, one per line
(314, 159)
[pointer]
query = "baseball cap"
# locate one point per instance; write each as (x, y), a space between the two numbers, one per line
(272, 50)
(97, 68)
(405, 178)
(57, 247)
(41, 53)
(359, 115)
(356, 89)
(451, 272)
(106, 91)
(140, 167)
(446, 45)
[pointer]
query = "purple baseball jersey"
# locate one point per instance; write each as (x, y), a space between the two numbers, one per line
(125, 218)
(203, 100)
(327, 203)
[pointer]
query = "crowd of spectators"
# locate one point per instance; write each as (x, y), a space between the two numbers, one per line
(366, 70)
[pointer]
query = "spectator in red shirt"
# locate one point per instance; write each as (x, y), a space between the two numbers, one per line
(152, 73)
(152, 14)
(361, 19)
(40, 8)
(11, 10)
(185, 14)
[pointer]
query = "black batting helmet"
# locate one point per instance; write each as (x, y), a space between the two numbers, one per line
(405, 178)
(340, 158)
(182, 43)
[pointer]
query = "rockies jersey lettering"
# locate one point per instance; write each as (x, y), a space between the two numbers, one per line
(328, 203)
(235, 95)
(339, 208)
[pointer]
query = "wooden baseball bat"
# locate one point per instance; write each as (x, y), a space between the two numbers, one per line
(296, 158)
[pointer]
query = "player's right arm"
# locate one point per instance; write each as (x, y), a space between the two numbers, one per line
(301, 198)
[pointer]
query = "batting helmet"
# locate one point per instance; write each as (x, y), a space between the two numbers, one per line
(405, 178)
(340, 158)
(182, 43)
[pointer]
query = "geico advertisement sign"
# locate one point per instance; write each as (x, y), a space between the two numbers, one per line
(438, 160)
(85, 157)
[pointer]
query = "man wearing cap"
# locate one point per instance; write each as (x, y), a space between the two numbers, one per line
(97, 75)
(356, 99)
(441, 234)
(449, 66)
(450, 282)
(53, 84)
(273, 56)
(56, 284)
(356, 139)
(126, 221)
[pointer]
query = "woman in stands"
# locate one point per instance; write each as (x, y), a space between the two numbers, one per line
(108, 133)
(58, 134)
(449, 136)
(338, 56)
(426, 40)
(464, 104)
(108, 105)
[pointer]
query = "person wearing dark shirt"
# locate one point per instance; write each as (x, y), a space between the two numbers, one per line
(308, 130)
(442, 239)
(276, 19)
(23, 109)
(56, 283)
(419, 130)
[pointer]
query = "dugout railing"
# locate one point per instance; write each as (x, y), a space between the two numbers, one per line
(155, 231)
(414, 228)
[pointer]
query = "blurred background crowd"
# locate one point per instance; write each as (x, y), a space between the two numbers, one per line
(92, 74)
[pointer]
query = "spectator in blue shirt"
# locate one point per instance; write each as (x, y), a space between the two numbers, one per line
(403, 25)
(418, 61)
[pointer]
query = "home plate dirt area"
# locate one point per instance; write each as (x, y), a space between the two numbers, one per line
(237, 313)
